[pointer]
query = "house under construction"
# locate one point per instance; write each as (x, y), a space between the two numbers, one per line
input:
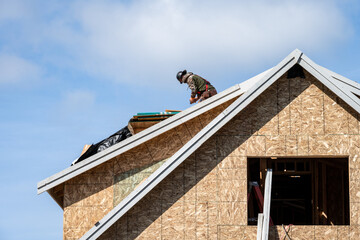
(200, 174)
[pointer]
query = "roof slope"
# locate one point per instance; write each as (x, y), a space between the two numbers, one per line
(133, 141)
(296, 57)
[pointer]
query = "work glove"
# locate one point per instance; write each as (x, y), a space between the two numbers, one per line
(193, 100)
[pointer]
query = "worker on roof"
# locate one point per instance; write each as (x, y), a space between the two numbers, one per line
(201, 89)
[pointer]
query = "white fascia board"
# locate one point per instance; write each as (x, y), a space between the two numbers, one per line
(340, 90)
(139, 138)
(341, 81)
(190, 147)
(350, 89)
(342, 78)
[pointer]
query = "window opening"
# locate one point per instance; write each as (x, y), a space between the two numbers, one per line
(305, 191)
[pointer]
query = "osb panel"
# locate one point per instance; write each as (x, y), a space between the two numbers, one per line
(334, 110)
(109, 234)
(255, 146)
(144, 220)
(189, 220)
(103, 197)
(142, 154)
(283, 106)
(354, 213)
(124, 163)
(194, 126)
(173, 220)
(164, 146)
(354, 145)
(232, 190)
(189, 179)
(312, 115)
(208, 148)
(233, 163)
(201, 214)
(210, 115)
(291, 145)
(232, 213)
(74, 234)
(302, 232)
(354, 161)
(206, 189)
(354, 232)
(232, 146)
(89, 179)
(152, 232)
(303, 145)
(232, 173)
(105, 168)
(86, 212)
(267, 119)
(325, 232)
(295, 116)
(248, 121)
(275, 145)
(232, 232)
(353, 121)
(250, 232)
(329, 144)
(241, 126)
(354, 174)
(312, 86)
(183, 133)
(87, 199)
(343, 232)
(77, 217)
(98, 213)
(173, 188)
(126, 182)
(213, 219)
(121, 228)
(88, 195)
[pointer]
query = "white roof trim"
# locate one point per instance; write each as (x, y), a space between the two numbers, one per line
(192, 145)
(344, 91)
(146, 135)
(345, 82)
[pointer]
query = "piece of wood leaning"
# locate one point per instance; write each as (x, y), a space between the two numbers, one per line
(267, 201)
(259, 226)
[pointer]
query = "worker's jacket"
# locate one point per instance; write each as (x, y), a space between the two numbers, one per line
(197, 84)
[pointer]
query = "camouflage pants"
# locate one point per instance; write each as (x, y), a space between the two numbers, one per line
(207, 94)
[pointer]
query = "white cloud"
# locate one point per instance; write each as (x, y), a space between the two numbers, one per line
(15, 69)
(146, 42)
(132, 42)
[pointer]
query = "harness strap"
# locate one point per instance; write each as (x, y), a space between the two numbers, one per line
(207, 87)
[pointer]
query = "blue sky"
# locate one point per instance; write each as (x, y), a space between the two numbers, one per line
(74, 72)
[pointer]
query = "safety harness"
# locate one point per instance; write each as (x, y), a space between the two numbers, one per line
(207, 87)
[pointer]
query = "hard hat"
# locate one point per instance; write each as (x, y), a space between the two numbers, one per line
(179, 75)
